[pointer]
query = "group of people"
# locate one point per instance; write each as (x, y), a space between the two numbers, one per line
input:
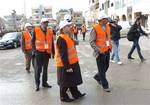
(38, 47)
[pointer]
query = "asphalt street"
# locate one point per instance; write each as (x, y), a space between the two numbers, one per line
(130, 82)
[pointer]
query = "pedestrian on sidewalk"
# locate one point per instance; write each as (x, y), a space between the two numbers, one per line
(115, 36)
(101, 43)
(136, 31)
(26, 45)
(43, 49)
(75, 30)
(68, 69)
(83, 31)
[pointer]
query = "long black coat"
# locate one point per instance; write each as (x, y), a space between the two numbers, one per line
(65, 79)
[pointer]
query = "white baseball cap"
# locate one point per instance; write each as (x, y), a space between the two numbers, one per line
(64, 23)
(67, 17)
(28, 25)
(44, 20)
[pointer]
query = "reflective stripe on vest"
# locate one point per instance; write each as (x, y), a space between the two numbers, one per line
(27, 38)
(102, 39)
(72, 53)
(43, 42)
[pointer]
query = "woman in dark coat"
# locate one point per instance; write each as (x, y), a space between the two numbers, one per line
(68, 76)
(137, 31)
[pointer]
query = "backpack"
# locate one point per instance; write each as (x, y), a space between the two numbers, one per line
(130, 36)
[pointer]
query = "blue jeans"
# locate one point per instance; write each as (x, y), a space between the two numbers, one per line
(115, 54)
(137, 46)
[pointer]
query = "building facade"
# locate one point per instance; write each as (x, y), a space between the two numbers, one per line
(40, 12)
(125, 10)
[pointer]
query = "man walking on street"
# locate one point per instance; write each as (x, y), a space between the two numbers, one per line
(26, 45)
(101, 43)
(115, 37)
(68, 69)
(43, 49)
(83, 31)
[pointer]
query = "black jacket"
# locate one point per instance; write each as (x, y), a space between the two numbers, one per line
(115, 32)
(136, 30)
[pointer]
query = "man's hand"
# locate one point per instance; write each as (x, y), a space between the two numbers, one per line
(33, 53)
(69, 70)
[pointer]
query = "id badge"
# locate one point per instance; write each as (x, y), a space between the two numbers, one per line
(107, 43)
(46, 46)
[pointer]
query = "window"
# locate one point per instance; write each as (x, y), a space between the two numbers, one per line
(102, 6)
(112, 4)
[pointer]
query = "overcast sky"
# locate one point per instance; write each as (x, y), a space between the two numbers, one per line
(6, 6)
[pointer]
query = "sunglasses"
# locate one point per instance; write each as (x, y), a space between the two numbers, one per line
(45, 22)
(68, 20)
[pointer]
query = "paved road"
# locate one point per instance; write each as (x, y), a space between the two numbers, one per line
(129, 82)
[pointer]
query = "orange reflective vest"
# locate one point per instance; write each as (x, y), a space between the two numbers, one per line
(43, 42)
(72, 53)
(83, 29)
(75, 30)
(27, 38)
(103, 40)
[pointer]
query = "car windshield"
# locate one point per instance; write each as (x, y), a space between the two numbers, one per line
(9, 36)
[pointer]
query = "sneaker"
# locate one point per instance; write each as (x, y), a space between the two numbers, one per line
(119, 63)
(107, 89)
(130, 58)
(113, 61)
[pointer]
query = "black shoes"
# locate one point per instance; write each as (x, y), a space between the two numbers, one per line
(98, 81)
(46, 85)
(79, 96)
(130, 58)
(142, 60)
(28, 70)
(67, 100)
(37, 89)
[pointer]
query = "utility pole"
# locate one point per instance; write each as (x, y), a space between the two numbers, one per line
(24, 8)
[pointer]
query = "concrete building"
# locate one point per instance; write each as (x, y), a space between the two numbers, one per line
(60, 14)
(40, 12)
(125, 10)
(13, 21)
(78, 19)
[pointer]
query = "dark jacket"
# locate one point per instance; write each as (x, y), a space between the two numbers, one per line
(115, 32)
(65, 79)
(136, 30)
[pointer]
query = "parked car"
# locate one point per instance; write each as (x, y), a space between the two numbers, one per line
(10, 40)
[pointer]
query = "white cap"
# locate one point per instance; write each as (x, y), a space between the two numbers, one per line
(67, 17)
(63, 23)
(27, 25)
(44, 20)
(102, 16)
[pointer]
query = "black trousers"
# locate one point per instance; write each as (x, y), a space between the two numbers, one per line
(73, 90)
(83, 35)
(102, 64)
(137, 46)
(41, 65)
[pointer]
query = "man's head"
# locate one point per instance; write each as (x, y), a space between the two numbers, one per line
(28, 27)
(68, 18)
(44, 23)
(103, 19)
(138, 20)
(65, 27)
